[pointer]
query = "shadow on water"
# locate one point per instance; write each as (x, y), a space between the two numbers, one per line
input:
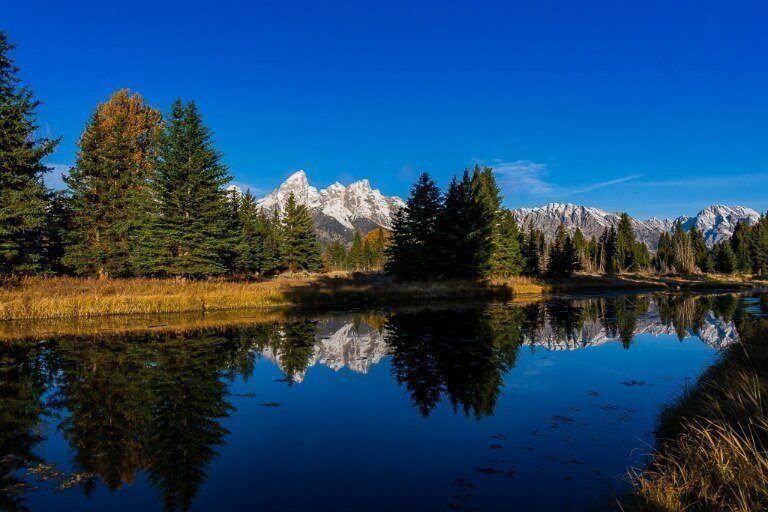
(154, 403)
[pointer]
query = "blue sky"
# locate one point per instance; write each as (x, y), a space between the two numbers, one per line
(655, 108)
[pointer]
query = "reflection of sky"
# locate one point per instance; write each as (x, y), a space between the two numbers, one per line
(568, 423)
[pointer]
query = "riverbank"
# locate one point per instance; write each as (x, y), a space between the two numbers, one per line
(62, 297)
(712, 443)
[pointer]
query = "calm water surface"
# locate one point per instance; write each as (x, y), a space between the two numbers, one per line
(484, 407)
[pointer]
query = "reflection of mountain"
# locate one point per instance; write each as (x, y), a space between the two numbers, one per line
(348, 342)
(341, 342)
(715, 332)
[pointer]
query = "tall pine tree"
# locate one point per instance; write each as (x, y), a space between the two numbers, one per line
(300, 248)
(109, 188)
(23, 196)
(191, 230)
(412, 255)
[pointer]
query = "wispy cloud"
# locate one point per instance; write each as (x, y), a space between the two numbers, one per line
(524, 176)
(603, 184)
(529, 178)
(708, 181)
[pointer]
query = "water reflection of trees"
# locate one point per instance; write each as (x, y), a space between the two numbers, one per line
(133, 403)
(156, 403)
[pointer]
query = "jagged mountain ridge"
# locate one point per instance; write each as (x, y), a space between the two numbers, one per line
(342, 342)
(341, 210)
(717, 222)
(338, 210)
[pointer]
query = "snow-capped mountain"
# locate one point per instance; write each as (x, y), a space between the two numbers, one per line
(338, 210)
(716, 222)
(341, 210)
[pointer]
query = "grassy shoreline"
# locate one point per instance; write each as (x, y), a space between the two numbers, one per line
(60, 297)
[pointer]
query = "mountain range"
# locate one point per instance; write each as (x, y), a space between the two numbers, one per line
(341, 210)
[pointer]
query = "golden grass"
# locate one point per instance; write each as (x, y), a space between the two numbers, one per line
(62, 297)
(713, 443)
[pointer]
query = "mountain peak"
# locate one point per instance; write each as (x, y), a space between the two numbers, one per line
(297, 177)
(338, 211)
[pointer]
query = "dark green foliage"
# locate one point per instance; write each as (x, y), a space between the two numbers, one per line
(57, 225)
(356, 257)
(563, 259)
(192, 228)
(506, 255)
(300, 250)
(271, 231)
(609, 258)
(740, 246)
(532, 247)
(250, 248)
(411, 254)
(724, 258)
(109, 189)
(700, 250)
(23, 196)
(758, 243)
(625, 242)
(335, 256)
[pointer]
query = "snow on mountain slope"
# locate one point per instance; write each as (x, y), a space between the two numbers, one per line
(338, 210)
(716, 222)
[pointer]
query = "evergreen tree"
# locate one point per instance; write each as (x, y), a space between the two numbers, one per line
(251, 240)
(610, 257)
(724, 258)
(533, 251)
(57, 226)
(506, 255)
(625, 242)
(192, 229)
(486, 203)
(641, 258)
(664, 256)
(758, 244)
(271, 232)
(109, 189)
(454, 245)
(356, 256)
(335, 256)
(563, 259)
(23, 196)
(300, 248)
(580, 245)
(700, 250)
(740, 246)
(411, 254)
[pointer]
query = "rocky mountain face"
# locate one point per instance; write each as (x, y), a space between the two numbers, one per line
(338, 210)
(341, 210)
(717, 222)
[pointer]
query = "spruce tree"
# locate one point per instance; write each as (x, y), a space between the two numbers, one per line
(506, 255)
(625, 241)
(700, 249)
(300, 247)
(109, 189)
(486, 199)
(454, 247)
(356, 255)
(724, 258)
(251, 240)
(270, 232)
(23, 196)
(412, 255)
(335, 256)
(758, 244)
(192, 229)
(740, 246)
